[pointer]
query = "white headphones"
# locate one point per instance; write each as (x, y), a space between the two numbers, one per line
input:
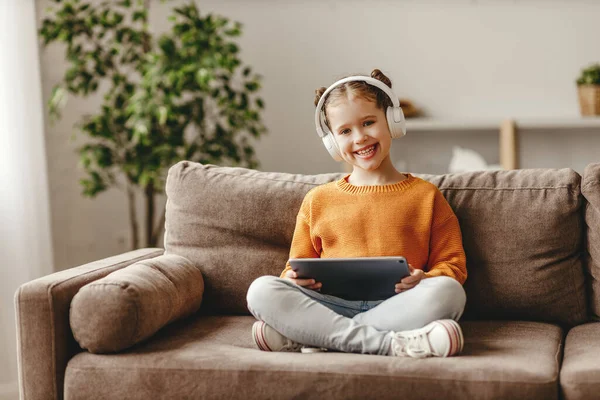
(394, 114)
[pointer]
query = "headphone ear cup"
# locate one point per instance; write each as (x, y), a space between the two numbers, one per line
(397, 129)
(331, 146)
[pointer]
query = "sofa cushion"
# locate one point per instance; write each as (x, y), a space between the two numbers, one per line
(235, 224)
(590, 188)
(580, 371)
(522, 232)
(214, 357)
(131, 304)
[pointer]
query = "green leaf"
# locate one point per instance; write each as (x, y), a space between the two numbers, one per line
(94, 185)
(167, 45)
(252, 86)
(56, 103)
(140, 15)
(590, 75)
(203, 77)
(145, 179)
(162, 115)
(233, 32)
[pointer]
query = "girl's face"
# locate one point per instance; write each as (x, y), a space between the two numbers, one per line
(361, 132)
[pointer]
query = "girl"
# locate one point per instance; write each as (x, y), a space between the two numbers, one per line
(374, 211)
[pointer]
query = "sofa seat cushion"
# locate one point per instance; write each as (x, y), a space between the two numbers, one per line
(215, 357)
(580, 373)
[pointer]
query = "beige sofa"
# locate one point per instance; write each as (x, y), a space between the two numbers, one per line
(532, 239)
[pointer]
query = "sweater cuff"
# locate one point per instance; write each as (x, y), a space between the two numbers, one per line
(445, 270)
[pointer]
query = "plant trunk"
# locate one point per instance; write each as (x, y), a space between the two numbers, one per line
(132, 216)
(149, 191)
(146, 45)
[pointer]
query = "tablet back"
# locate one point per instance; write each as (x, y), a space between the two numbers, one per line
(363, 278)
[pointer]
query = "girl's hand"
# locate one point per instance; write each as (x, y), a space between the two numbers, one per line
(307, 283)
(410, 281)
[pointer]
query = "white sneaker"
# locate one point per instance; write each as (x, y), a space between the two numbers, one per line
(442, 338)
(268, 339)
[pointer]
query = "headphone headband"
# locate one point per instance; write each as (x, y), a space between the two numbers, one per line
(357, 78)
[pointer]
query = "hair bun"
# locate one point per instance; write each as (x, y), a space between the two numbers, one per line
(377, 74)
(318, 93)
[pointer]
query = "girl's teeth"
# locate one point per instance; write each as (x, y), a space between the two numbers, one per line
(366, 152)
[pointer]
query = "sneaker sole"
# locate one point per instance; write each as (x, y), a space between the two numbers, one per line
(457, 340)
(258, 334)
(311, 350)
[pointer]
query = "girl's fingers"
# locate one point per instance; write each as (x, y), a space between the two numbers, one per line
(304, 282)
(415, 276)
(291, 274)
(410, 278)
(400, 287)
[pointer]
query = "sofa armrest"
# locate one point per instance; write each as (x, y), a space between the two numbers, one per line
(45, 343)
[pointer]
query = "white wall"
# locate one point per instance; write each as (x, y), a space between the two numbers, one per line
(455, 59)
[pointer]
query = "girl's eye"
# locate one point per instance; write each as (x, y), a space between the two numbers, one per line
(345, 131)
(367, 123)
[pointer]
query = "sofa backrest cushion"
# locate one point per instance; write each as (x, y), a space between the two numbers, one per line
(591, 191)
(236, 224)
(522, 232)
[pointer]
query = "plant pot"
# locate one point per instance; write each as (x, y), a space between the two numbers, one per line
(589, 99)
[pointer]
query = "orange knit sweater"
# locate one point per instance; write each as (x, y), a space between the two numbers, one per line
(410, 218)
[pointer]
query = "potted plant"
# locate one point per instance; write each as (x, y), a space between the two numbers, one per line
(183, 95)
(588, 87)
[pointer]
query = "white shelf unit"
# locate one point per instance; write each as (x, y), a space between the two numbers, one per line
(431, 124)
(508, 129)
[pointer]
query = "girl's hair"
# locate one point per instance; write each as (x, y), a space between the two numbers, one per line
(359, 89)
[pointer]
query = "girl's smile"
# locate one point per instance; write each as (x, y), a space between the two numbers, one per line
(367, 152)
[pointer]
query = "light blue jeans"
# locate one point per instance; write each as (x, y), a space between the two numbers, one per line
(314, 319)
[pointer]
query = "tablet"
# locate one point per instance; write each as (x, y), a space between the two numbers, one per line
(362, 278)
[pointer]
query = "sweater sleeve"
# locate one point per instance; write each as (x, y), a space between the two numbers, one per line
(446, 252)
(302, 244)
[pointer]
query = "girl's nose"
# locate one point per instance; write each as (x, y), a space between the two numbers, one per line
(360, 136)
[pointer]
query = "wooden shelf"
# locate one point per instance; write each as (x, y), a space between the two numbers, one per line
(558, 123)
(493, 124)
(432, 124)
